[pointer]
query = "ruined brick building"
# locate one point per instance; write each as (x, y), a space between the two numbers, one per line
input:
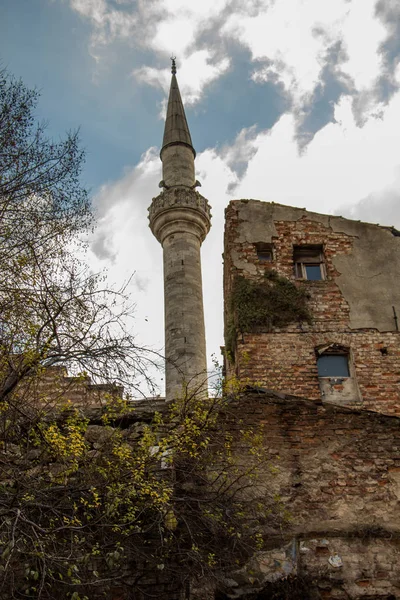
(348, 351)
(311, 305)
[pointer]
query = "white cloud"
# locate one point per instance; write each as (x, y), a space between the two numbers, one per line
(342, 165)
(363, 35)
(124, 245)
(294, 37)
(285, 34)
(108, 23)
(194, 74)
(289, 40)
(164, 26)
(379, 207)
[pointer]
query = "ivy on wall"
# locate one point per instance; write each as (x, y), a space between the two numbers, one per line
(261, 306)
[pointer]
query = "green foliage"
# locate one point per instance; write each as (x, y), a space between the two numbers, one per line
(259, 306)
(230, 337)
(187, 498)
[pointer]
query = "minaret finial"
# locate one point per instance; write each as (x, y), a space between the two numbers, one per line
(173, 67)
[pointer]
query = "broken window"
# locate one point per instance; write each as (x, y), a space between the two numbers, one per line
(264, 252)
(309, 262)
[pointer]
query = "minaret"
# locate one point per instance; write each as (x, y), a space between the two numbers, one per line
(180, 220)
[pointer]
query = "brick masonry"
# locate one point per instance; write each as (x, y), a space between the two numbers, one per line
(53, 387)
(285, 359)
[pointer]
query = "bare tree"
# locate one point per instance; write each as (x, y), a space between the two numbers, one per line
(52, 309)
(31, 165)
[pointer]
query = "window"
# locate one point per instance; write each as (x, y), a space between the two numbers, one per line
(333, 365)
(264, 252)
(309, 263)
(336, 375)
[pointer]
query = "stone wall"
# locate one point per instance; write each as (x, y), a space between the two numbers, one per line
(352, 307)
(338, 475)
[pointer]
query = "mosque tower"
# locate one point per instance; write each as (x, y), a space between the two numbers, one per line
(180, 220)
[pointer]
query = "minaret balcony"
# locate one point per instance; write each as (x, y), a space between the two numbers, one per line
(179, 209)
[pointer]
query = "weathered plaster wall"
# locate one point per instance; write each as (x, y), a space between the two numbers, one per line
(367, 271)
(351, 307)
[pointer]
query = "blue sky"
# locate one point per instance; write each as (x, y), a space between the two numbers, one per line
(292, 101)
(48, 44)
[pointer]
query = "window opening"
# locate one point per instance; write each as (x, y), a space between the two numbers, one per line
(309, 263)
(333, 365)
(264, 252)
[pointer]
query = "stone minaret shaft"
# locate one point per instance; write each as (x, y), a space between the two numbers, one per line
(180, 220)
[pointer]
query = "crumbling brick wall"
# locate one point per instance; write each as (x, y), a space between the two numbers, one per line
(285, 358)
(337, 472)
(53, 387)
(287, 362)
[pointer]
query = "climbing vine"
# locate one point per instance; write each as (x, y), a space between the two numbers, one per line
(259, 306)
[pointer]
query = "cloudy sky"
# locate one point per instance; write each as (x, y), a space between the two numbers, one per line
(291, 101)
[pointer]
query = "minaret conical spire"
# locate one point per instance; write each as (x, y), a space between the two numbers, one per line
(177, 152)
(176, 130)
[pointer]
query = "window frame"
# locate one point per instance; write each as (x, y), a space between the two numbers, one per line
(348, 393)
(308, 255)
